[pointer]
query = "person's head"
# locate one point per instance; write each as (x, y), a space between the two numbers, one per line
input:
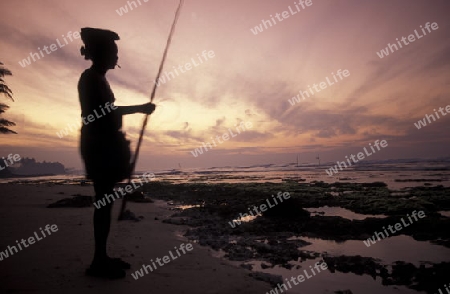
(100, 47)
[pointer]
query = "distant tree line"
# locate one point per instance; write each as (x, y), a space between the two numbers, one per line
(30, 167)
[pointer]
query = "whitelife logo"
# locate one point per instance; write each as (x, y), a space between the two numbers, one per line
(86, 119)
(323, 85)
(31, 240)
(423, 123)
(262, 207)
(265, 24)
(397, 226)
(318, 268)
(147, 176)
(132, 4)
(411, 38)
(165, 260)
(242, 126)
(36, 56)
(11, 158)
(360, 155)
(168, 75)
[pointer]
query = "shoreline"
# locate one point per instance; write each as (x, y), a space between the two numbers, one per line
(275, 241)
(58, 263)
(269, 248)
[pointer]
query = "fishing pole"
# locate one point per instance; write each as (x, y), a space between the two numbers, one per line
(152, 96)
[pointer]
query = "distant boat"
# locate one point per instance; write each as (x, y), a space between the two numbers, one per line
(176, 171)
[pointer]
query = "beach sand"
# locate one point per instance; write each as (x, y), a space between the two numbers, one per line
(56, 264)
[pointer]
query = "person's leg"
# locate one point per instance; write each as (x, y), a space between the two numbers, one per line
(102, 221)
(102, 225)
(102, 266)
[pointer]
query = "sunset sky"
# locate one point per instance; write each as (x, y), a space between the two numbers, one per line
(250, 78)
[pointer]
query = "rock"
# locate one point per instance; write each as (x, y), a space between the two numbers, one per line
(139, 197)
(128, 215)
(271, 279)
(77, 201)
(247, 266)
(290, 208)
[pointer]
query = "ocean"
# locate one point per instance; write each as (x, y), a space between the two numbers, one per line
(397, 174)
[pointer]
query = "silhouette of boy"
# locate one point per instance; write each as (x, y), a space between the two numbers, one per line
(104, 148)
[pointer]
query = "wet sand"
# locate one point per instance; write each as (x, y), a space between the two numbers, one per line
(57, 263)
(282, 242)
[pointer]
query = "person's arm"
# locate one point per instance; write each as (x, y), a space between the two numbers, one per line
(147, 108)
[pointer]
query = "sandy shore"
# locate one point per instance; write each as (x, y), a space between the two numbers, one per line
(56, 264)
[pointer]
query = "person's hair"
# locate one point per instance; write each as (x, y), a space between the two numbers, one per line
(97, 42)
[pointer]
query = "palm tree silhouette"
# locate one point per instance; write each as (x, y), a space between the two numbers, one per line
(4, 89)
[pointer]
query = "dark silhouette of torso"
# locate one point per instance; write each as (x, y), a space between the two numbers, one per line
(103, 145)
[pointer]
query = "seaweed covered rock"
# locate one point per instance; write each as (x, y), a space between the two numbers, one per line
(78, 201)
(289, 208)
(139, 197)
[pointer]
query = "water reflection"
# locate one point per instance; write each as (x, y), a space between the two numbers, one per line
(388, 250)
(342, 212)
(327, 282)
